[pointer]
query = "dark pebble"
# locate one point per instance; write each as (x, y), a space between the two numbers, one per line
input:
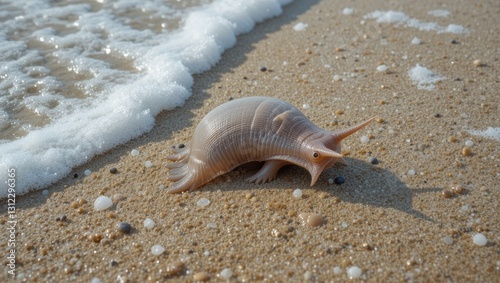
(113, 263)
(230, 98)
(113, 170)
(437, 115)
(75, 175)
(61, 217)
(374, 161)
(263, 68)
(125, 227)
(454, 41)
(339, 180)
(181, 145)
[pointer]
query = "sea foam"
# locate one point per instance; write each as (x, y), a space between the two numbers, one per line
(123, 106)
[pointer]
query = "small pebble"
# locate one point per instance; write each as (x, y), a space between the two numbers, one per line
(437, 115)
(102, 203)
(479, 239)
(447, 194)
(149, 223)
(113, 170)
(124, 227)
(339, 180)
(337, 78)
(87, 172)
(454, 41)
(354, 272)
(201, 276)
(157, 249)
(330, 181)
(448, 240)
(306, 106)
(458, 189)
(337, 270)
(308, 275)
(202, 202)
(262, 68)
(466, 151)
(61, 217)
(181, 145)
(348, 11)
(382, 68)
(45, 192)
(95, 280)
(469, 143)
(226, 273)
(416, 41)
(113, 263)
(134, 152)
(311, 219)
(365, 139)
(374, 160)
(212, 225)
(75, 175)
(148, 164)
(411, 172)
(297, 193)
(119, 197)
(477, 63)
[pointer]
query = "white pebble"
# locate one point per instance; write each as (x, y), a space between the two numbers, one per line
(297, 193)
(211, 225)
(149, 223)
(448, 240)
(330, 181)
(206, 253)
(354, 272)
(469, 143)
(102, 203)
(45, 192)
(148, 164)
(87, 172)
(348, 11)
(382, 68)
(226, 273)
(95, 280)
(416, 41)
(306, 106)
(300, 27)
(203, 202)
(344, 224)
(134, 152)
(411, 172)
(337, 78)
(337, 270)
(157, 249)
(308, 275)
(479, 239)
(365, 139)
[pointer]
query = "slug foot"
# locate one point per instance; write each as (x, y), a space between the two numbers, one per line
(268, 172)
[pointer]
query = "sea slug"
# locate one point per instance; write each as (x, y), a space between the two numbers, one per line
(251, 129)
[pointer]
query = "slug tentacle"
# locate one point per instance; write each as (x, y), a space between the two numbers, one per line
(261, 129)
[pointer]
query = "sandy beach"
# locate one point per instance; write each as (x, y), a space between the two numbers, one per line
(411, 217)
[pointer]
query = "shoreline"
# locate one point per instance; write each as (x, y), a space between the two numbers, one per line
(394, 220)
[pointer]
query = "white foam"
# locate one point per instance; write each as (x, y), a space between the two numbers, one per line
(439, 13)
(401, 19)
(490, 132)
(424, 78)
(120, 103)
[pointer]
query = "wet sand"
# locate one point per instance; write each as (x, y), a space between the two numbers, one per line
(400, 220)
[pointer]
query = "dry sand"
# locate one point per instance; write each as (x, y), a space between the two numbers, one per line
(389, 223)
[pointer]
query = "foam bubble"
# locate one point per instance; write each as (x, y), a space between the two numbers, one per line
(402, 19)
(424, 78)
(490, 132)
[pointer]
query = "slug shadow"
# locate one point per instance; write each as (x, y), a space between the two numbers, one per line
(365, 184)
(183, 116)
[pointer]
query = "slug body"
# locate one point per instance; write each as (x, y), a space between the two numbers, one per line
(250, 129)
